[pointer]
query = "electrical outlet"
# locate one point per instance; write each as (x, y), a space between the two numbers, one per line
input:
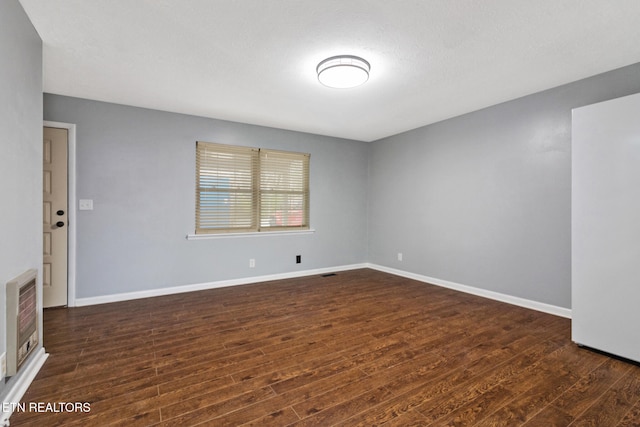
(252, 263)
(298, 259)
(3, 366)
(399, 256)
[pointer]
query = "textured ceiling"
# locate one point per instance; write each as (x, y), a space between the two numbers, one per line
(254, 61)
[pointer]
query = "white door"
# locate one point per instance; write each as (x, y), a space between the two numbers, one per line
(606, 226)
(55, 217)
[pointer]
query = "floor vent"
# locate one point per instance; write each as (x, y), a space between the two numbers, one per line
(328, 275)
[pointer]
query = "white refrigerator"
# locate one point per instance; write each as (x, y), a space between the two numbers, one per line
(605, 226)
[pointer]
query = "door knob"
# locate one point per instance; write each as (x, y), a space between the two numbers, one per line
(60, 224)
(60, 213)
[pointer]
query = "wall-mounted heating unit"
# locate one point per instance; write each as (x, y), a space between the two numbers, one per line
(22, 319)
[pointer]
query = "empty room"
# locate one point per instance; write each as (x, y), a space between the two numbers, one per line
(296, 213)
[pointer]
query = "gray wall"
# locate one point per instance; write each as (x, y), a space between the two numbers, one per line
(20, 151)
(484, 199)
(138, 166)
(481, 200)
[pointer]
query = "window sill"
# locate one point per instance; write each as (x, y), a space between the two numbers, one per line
(249, 234)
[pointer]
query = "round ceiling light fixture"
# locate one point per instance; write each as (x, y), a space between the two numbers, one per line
(343, 71)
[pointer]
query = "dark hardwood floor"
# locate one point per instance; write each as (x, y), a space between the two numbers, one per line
(360, 348)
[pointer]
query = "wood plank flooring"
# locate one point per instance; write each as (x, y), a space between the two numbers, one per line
(360, 348)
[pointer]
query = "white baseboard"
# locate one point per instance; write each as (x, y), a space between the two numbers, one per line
(210, 285)
(23, 382)
(521, 302)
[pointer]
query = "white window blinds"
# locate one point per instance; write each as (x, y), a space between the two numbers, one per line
(242, 189)
(226, 193)
(284, 190)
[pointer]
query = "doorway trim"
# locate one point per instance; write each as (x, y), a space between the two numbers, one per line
(71, 189)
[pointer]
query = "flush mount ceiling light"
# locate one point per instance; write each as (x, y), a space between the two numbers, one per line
(343, 71)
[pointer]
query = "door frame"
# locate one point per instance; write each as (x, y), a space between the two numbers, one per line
(71, 201)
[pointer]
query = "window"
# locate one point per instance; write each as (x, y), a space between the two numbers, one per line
(242, 189)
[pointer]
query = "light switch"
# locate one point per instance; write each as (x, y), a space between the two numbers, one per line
(85, 204)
